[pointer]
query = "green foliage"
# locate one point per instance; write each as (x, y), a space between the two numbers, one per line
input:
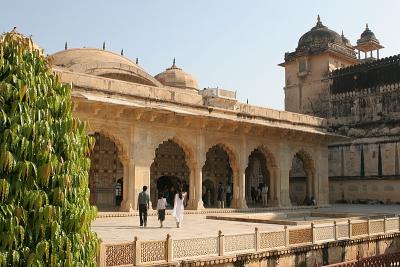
(45, 213)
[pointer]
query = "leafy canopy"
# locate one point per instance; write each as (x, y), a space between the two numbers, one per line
(45, 213)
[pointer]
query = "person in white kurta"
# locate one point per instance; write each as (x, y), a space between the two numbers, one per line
(179, 208)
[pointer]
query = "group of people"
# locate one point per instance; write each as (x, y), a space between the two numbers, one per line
(224, 194)
(177, 212)
(260, 195)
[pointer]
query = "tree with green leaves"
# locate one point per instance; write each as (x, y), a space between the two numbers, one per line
(45, 214)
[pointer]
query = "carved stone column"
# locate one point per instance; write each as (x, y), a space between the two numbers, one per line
(284, 187)
(239, 175)
(128, 202)
(321, 181)
(200, 159)
(285, 164)
(142, 178)
(274, 196)
(241, 204)
(198, 179)
(192, 186)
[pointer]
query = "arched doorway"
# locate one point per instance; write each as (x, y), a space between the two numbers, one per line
(105, 175)
(301, 180)
(168, 172)
(257, 176)
(217, 170)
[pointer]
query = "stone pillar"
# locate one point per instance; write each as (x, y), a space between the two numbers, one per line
(274, 183)
(284, 187)
(285, 164)
(198, 187)
(239, 175)
(241, 204)
(128, 202)
(142, 177)
(321, 180)
(197, 166)
(235, 188)
(192, 186)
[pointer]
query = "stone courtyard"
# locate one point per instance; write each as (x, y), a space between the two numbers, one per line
(124, 229)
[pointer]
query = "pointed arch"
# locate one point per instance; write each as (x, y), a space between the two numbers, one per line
(106, 174)
(219, 170)
(169, 170)
(260, 173)
(302, 178)
(233, 159)
(122, 151)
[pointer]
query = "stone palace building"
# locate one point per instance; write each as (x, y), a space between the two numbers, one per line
(359, 94)
(164, 132)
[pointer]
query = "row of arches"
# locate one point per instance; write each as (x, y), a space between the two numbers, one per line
(171, 169)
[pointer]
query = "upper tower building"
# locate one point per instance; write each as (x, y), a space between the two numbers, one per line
(368, 43)
(318, 52)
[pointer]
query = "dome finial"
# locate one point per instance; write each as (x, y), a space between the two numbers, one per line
(319, 23)
(173, 64)
(66, 45)
(366, 26)
(342, 34)
(104, 45)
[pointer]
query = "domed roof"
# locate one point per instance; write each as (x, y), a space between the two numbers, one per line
(318, 37)
(176, 77)
(102, 63)
(367, 36)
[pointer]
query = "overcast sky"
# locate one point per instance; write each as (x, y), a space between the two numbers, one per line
(235, 45)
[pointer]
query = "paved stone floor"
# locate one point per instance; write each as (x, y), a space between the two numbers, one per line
(123, 229)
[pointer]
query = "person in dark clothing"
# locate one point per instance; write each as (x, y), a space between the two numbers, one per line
(220, 196)
(253, 194)
(144, 204)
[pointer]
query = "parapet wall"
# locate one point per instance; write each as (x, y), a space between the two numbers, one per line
(190, 101)
(366, 106)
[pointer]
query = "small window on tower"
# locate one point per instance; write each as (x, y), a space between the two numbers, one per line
(303, 65)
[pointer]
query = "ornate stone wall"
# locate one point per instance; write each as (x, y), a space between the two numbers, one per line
(364, 104)
(356, 171)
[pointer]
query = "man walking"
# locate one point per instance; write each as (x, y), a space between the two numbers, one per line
(144, 204)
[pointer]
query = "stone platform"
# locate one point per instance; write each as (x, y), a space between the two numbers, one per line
(123, 227)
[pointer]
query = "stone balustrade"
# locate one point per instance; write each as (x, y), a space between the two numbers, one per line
(169, 250)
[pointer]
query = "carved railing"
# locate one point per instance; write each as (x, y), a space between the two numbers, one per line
(157, 252)
(239, 243)
(195, 247)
